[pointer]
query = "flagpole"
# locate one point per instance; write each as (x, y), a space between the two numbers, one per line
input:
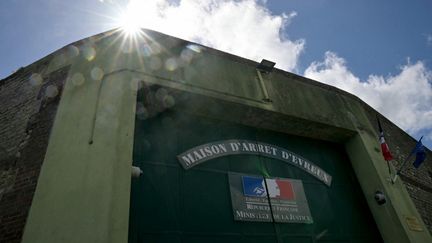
(406, 160)
(384, 148)
(400, 169)
(388, 165)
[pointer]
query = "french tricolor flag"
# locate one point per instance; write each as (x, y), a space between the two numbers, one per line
(384, 147)
(280, 188)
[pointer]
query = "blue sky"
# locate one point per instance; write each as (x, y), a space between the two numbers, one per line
(375, 37)
(380, 51)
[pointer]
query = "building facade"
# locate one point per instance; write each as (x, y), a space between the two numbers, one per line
(229, 149)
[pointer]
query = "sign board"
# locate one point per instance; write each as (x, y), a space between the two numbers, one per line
(201, 153)
(413, 224)
(250, 196)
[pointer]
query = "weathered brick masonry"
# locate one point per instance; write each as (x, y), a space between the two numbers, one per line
(29, 103)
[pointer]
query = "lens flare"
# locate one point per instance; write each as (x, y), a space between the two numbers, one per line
(140, 14)
(132, 18)
(130, 23)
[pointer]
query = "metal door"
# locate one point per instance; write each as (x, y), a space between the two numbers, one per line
(171, 204)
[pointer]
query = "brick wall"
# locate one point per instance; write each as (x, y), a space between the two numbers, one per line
(417, 181)
(29, 104)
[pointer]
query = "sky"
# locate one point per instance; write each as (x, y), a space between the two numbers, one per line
(381, 51)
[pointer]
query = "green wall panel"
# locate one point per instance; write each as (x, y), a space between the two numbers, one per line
(170, 204)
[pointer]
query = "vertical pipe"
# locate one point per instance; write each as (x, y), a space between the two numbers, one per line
(263, 87)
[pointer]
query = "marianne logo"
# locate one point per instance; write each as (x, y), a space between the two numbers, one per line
(253, 186)
(255, 198)
(277, 188)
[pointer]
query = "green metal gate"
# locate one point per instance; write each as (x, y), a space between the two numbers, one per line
(170, 204)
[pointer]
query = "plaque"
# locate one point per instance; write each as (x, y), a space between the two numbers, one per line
(280, 200)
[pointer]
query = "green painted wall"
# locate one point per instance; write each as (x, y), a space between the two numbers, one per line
(83, 190)
(170, 204)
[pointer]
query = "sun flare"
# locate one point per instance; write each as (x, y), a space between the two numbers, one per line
(138, 14)
(129, 23)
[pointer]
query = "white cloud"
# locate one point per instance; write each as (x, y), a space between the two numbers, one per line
(248, 29)
(245, 28)
(405, 98)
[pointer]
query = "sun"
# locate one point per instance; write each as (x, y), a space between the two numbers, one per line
(131, 20)
(130, 23)
(134, 16)
(138, 14)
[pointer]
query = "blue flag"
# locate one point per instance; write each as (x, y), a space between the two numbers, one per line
(420, 154)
